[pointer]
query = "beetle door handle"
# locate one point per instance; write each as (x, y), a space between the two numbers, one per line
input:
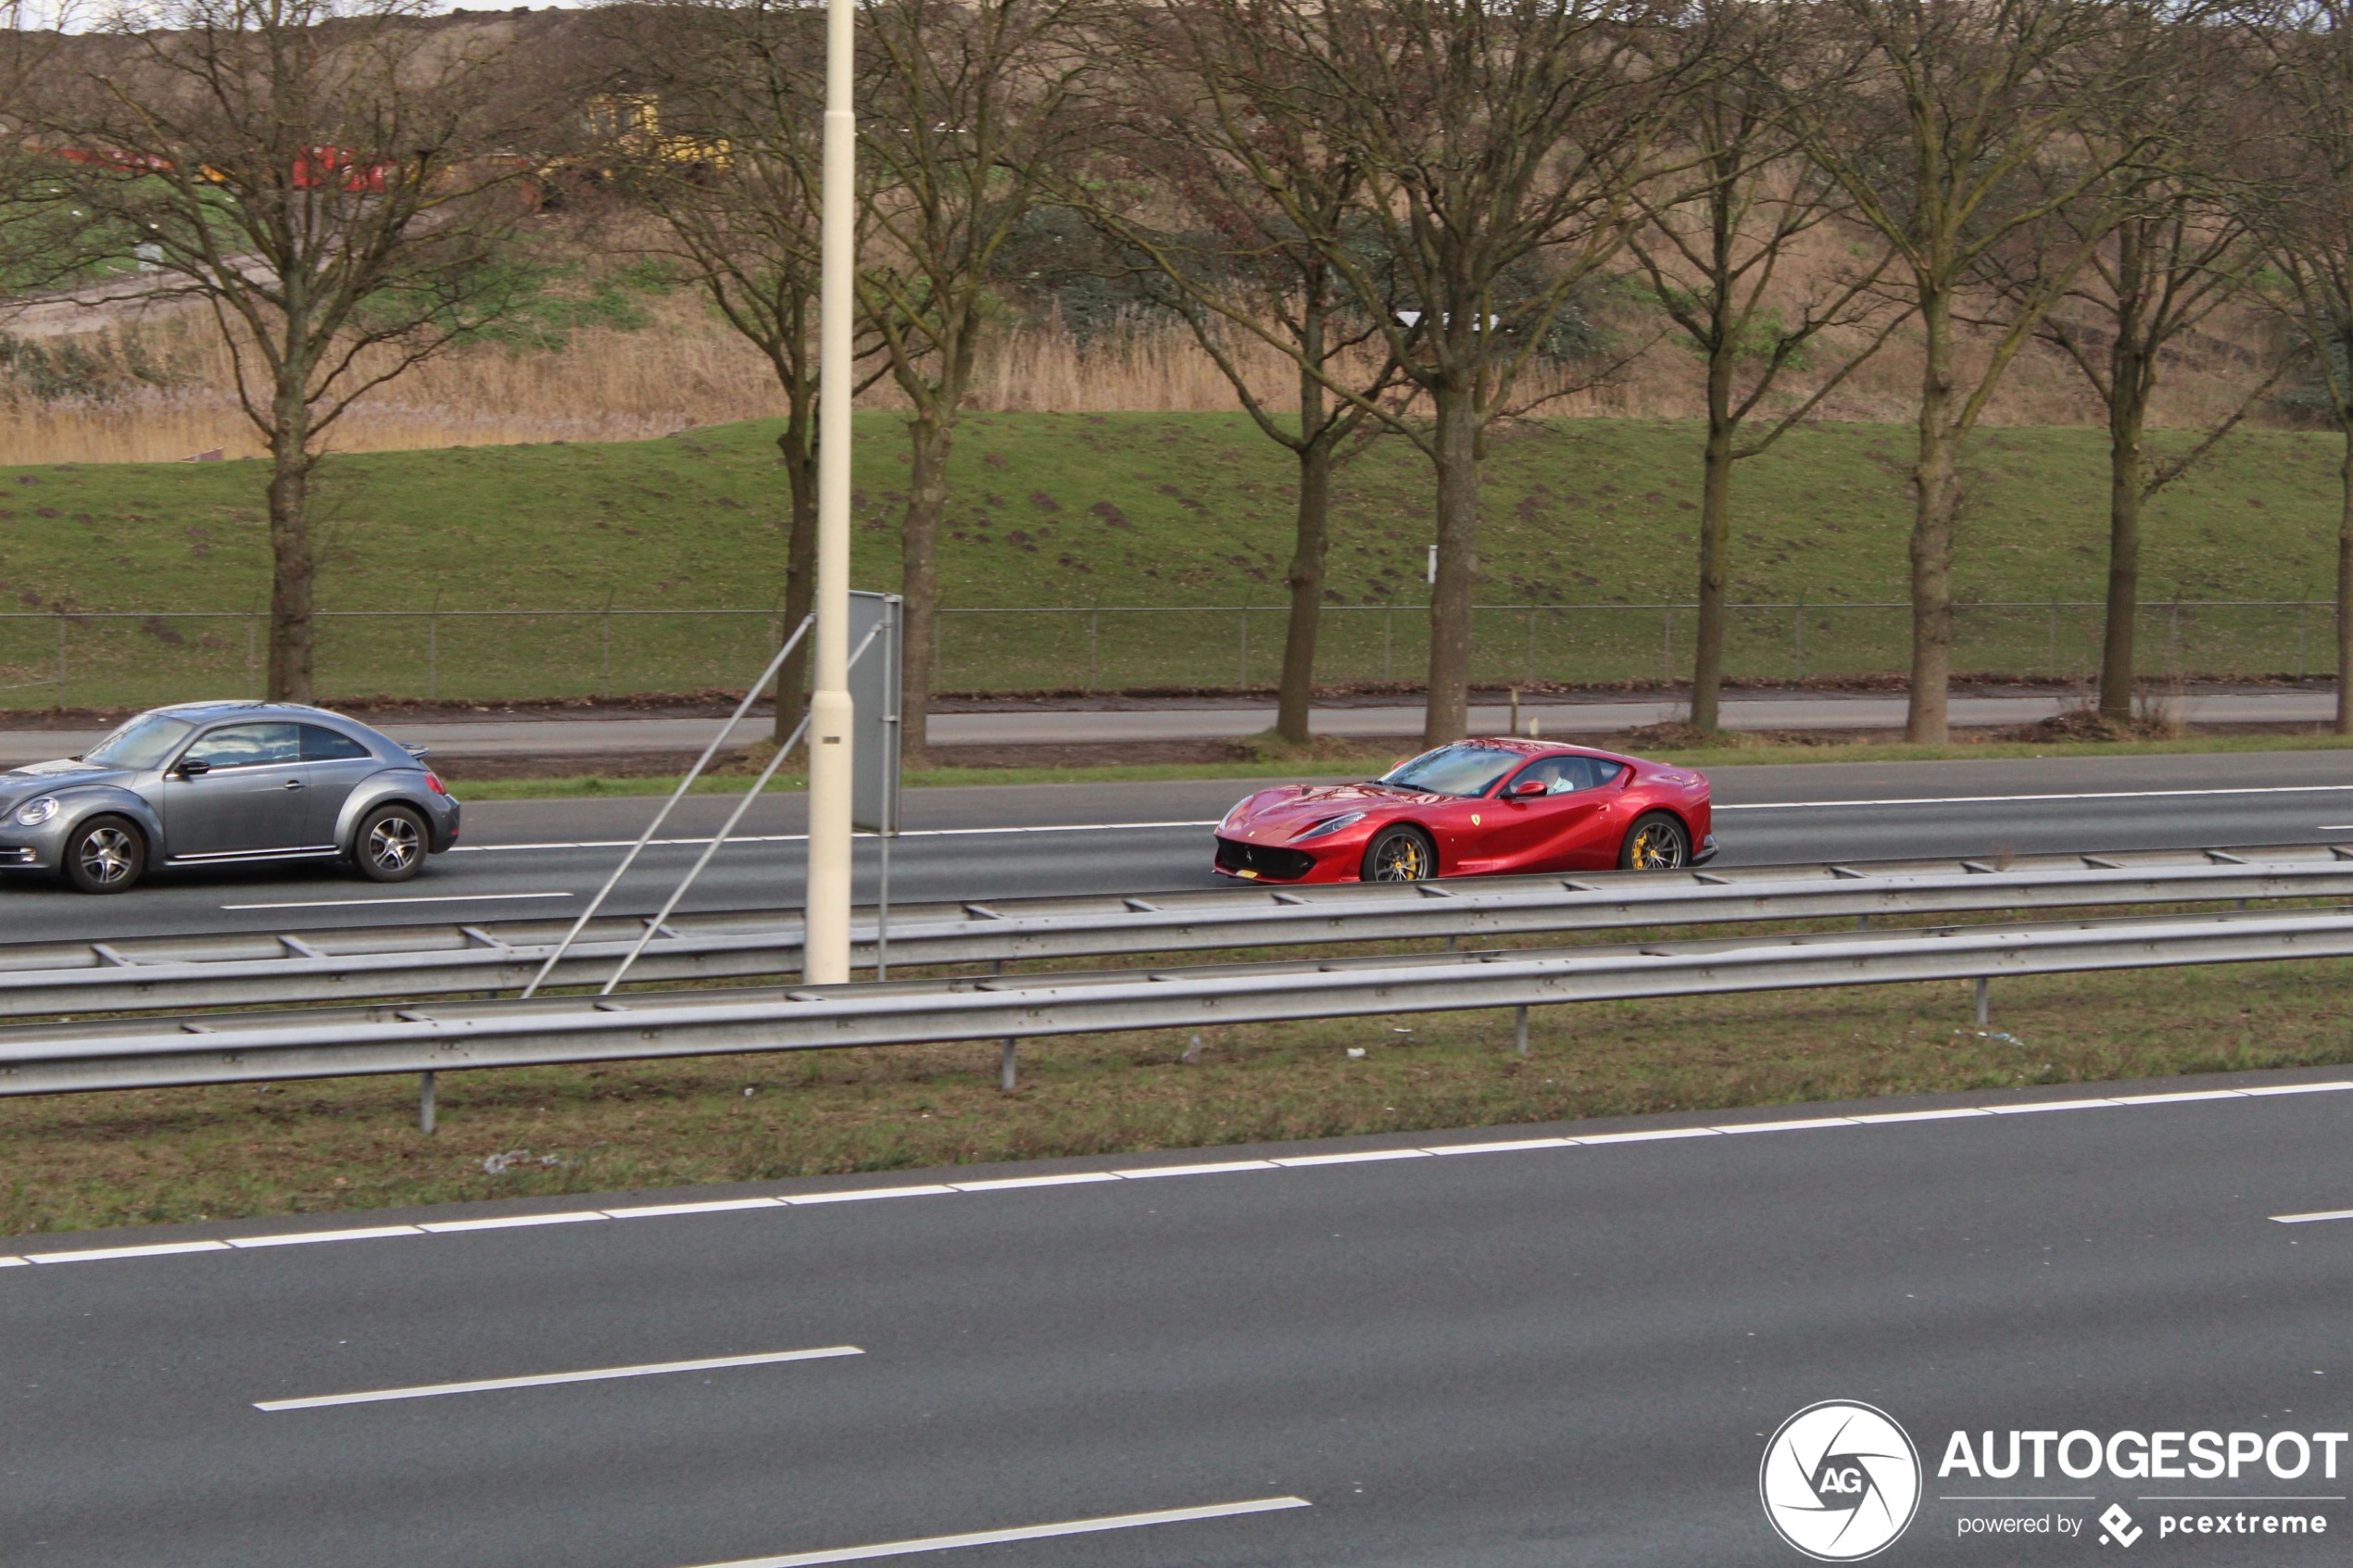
(293, 783)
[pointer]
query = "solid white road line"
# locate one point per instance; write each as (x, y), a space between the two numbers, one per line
(2009, 800)
(595, 1375)
(372, 903)
(1205, 1168)
(1020, 1532)
(802, 837)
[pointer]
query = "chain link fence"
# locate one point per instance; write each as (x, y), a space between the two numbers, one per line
(136, 658)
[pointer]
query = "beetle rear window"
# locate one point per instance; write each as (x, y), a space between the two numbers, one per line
(322, 745)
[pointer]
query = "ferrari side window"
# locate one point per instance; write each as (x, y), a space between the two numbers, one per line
(1558, 774)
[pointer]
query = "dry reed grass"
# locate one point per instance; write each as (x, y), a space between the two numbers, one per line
(160, 388)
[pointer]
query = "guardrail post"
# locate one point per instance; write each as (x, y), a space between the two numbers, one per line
(1984, 986)
(61, 658)
(1388, 625)
(433, 649)
(1519, 1029)
(1243, 678)
(1532, 649)
(1006, 1069)
(1094, 648)
(425, 1103)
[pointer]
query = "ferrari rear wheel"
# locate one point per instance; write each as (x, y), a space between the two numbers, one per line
(1401, 854)
(1657, 843)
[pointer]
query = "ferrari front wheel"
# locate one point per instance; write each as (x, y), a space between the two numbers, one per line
(1401, 854)
(1657, 842)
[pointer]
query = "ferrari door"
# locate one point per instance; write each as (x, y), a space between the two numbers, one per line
(1590, 843)
(1542, 831)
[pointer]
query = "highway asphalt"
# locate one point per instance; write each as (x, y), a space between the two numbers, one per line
(546, 857)
(1571, 1354)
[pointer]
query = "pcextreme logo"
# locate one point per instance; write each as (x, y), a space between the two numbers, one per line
(1841, 1481)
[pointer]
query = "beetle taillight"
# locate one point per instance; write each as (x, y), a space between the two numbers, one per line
(433, 782)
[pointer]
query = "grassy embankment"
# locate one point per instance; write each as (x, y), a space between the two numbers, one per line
(92, 1160)
(1081, 510)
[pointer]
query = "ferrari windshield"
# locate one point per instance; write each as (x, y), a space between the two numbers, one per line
(142, 743)
(1453, 770)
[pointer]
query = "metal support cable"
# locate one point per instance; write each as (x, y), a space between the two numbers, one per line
(709, 851)
(675, 795)
(719, 837)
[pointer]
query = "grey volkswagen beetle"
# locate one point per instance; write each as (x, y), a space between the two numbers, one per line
(218, 782)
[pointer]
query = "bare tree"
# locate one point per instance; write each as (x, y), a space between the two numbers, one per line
(2158, 244)
(718, 120)
(1237, 270)
(1716, 236)
(1498, 145)
(312, 171)
(1943, 118)
(970, 107)
(40, 240)
(2301, 205)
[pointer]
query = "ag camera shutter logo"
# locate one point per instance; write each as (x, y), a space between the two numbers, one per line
(1841, 1481)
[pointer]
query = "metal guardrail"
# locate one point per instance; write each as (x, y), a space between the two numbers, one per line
(407, 961)
(546, 1031)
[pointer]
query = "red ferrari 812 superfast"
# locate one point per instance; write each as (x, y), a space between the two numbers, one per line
(1478, 808)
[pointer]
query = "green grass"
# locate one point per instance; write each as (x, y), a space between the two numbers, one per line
(78, 1161)
(1176, 511)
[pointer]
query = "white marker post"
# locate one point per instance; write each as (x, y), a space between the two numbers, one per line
(826, 947)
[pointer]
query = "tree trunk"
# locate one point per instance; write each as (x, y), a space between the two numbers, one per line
(1937, 498)
(1447, 715)
(798, 443)
(2128, 410)
(293, 633)
(1715, 547)
(1305, 581)
(930, 436)
(2345, 578)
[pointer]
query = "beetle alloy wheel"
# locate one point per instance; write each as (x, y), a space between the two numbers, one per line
(1658, 846)
(106, 856)
(392, 843)
(1400, 858)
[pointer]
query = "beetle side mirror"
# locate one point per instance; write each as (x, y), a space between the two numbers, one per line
(193, 767)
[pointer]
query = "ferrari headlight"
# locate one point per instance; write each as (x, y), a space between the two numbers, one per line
(1332, 824)
(1228, 821)
(32, 813)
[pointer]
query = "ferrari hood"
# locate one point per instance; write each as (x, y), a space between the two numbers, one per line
(1277, 813)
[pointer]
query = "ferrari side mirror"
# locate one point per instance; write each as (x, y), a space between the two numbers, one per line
(1529, 786)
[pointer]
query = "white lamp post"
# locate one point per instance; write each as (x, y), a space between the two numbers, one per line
(825, 950)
